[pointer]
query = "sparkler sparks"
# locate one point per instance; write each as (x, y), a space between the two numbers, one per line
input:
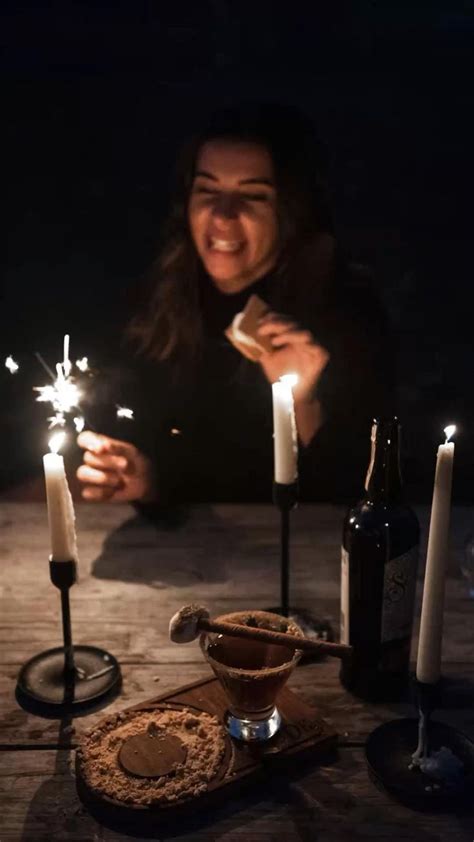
(123, 412)
(11, 365)
(63, 394)
(57, 420)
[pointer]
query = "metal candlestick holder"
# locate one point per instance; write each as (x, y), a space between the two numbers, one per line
(285, 498)
(425, 764)
(67, 677)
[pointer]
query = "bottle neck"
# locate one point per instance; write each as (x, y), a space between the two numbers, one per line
(383, 483)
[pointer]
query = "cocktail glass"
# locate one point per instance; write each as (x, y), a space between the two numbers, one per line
(252, 673)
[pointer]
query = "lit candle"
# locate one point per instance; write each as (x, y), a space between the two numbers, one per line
(60, 506)
(428, 665)
(285, 439)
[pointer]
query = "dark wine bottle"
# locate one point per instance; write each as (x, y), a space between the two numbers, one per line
(378, 575)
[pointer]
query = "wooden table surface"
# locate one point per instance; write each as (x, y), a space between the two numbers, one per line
(133, 577)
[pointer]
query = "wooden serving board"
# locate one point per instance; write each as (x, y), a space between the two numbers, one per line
(303, 732)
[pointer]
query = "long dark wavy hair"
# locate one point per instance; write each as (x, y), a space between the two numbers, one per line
(169, 324)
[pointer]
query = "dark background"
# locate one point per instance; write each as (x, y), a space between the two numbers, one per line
(96, 98)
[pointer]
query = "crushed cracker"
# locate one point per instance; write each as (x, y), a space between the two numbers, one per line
(201, 734)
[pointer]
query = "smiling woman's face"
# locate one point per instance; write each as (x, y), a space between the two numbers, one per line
(232, 212)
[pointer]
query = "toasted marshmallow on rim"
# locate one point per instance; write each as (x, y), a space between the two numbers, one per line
(183, 626)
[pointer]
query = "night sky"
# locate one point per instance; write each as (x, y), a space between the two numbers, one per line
(96, 99)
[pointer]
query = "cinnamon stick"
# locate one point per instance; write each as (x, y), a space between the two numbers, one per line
(291, 641)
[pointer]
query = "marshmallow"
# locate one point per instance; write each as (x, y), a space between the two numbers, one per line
(184, 624)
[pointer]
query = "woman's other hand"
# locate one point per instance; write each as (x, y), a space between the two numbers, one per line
(113, 470)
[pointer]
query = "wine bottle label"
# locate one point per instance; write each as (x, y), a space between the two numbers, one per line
(344, 596)
(399, 595)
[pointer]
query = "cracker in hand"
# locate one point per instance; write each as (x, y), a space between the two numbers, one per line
(243, 330)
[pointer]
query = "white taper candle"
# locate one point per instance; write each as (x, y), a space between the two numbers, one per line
(60, 509)
(285, 440)
(428, 667)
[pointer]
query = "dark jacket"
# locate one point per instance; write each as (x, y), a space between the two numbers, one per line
(209, 429)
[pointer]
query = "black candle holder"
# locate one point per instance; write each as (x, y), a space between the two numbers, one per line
(69, 676)
(425, 764)
(285, 498)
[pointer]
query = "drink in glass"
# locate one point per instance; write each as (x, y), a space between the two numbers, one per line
(251, 672)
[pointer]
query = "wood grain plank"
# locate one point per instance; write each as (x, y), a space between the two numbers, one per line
(318, 684)
(133, 576)
(333, 802)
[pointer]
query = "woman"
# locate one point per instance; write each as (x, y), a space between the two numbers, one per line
(250, 216)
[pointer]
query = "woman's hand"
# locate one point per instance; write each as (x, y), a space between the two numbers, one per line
(296, 352)
(113, 470)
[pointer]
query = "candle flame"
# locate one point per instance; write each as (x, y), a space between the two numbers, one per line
(449, 431)
(123, 412)
(11, 365)
(290, 379)
(56, 442)
(82, 364)
(79, 423)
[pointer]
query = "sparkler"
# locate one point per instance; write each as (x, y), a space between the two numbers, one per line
(63, 393)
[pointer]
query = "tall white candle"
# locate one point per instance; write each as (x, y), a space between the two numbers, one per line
(428, 666)
(60, 509)
(285, 440)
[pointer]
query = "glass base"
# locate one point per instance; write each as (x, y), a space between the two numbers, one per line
(253, 730)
